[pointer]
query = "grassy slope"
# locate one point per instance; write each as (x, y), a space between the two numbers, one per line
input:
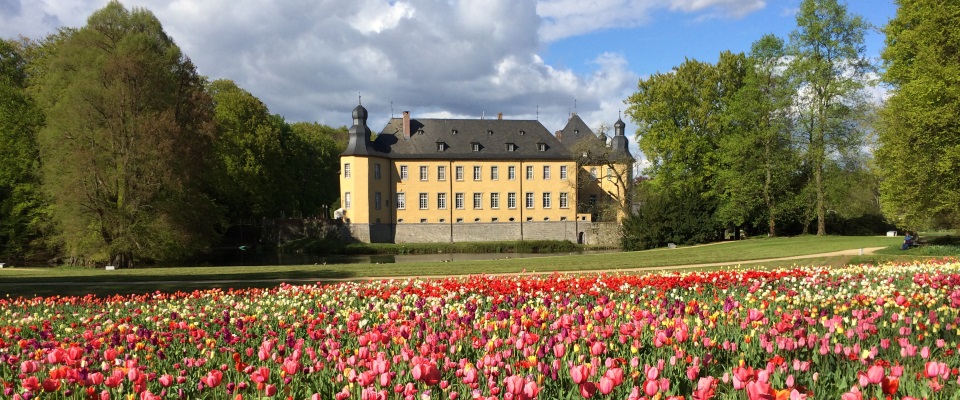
(47, 281)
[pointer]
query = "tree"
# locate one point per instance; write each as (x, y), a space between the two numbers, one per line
(605, 174)
(757, 155)
(251, 179)
(919, 135)
(828, 60)
(127, 138)
(314, 154)
(23, 210)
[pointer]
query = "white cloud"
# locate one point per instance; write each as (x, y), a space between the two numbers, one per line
(566, 18)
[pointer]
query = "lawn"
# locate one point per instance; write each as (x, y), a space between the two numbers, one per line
(76, 281)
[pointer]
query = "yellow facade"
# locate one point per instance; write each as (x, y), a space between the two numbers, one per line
(457, 191)
(608, 183)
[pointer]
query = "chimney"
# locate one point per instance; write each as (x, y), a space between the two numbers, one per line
(499, 116)
(559, 133)
(406, 124)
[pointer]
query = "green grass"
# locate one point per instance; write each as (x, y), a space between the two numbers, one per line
(74, 281)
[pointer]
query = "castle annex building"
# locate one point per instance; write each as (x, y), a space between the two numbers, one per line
(455, 180)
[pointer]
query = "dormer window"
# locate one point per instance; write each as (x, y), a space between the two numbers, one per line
(441, 146)
(511, 147)
(420, 131)
(576, 131)
(489, 132)
(523, 132)
(541, 147)
(454, 132)
(475, 146)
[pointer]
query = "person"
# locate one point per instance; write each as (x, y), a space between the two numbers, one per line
(907, 241)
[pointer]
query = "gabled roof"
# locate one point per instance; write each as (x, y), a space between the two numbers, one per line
(576, 130)
(531, 139)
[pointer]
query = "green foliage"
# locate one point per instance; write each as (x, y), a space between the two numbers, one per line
(127, 138)
(23, 211)
(334, 246)
(314, 159)
(669, 217)
(827, 50)
(919, 135)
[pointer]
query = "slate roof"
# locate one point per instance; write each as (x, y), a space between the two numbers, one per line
(576, 130)
(459, 136)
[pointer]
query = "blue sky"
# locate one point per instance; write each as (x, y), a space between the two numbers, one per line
(308, 59)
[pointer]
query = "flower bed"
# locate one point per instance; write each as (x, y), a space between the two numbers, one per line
(858, 332)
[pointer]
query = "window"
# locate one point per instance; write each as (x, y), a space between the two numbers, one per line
(495, 200)
(424, 172)
(459, 172)
(511, 173)
(476, 146)
(529, 172)
(511, 200)
(593, 172)
(609, 174)
(541, 147)
(511, 147)
(546, 200)
(442, 201)
(346, 200)
(563, 172)
(477, 170)
(403, 172)
(401, 201)
(489, 132)
(458, 201)
(477, 201)
(494, 173)
(529, 198)
(376, 171)
(564, 203)
(423, 201)
(454, 131)
(377, 199)
(441, 146)
(346, 170)
(546, 172)
(441, 173)
(593, 200)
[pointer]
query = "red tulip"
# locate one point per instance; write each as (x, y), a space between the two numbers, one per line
(651, 387)
(51, 385)
(31, 383)
(271, 390)
(426, 373)
(290, 367)
(875, 374)
(588, 389)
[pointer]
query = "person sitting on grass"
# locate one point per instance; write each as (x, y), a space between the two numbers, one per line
(908, 241)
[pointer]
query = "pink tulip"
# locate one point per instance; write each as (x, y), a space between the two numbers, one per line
(166, 380)
(559, 350)
(758, 390)
(290, 367)
(651, 387)
(530, 389)
(515, 384)
(634, 394)
(875, 374)
(270, 390)
(580, 373)
(104, 395)
(652, 373)
(29, 367)
(606, 385)
(597, 348)
(852, 395)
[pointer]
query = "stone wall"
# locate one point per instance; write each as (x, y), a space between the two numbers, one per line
(589, 233)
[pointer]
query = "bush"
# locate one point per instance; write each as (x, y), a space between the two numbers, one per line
(669, 218)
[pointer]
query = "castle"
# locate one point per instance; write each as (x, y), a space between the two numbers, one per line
(460, 180)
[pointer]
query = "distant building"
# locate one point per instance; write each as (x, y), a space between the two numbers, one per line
(456, 180)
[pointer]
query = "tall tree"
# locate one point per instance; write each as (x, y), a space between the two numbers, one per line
(828, 60)
(128, 135)
(757, 155)
(22, 206)
(919, 135)
(314, 159)
(251, 182)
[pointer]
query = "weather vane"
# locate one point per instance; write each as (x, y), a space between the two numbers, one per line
(359, 99)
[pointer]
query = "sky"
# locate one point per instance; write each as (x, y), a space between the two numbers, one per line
(308, 60)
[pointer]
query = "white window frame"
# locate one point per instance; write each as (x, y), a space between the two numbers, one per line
(511, 172)
(511, 200)
(494, 173)
(547, 203)
(424, 201)
(441, 172)
(403, 173)
(529, 172)
(564, 200)
(424, 172)
(346, 170)
(529, 200)
(546, 172)
(459, 172)
(458, 201)
(401, 201)
(563, 172)
(441, 201)
(495, 200)
(477, 201)
(347, 200)
(477, 172)
(376, 171)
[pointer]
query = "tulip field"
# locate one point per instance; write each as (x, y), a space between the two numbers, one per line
(859, 332)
